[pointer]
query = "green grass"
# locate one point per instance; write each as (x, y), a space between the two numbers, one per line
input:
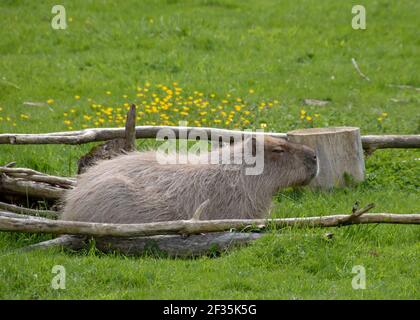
(282, 50)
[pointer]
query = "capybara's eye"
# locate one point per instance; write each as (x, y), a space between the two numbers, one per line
(278, 150)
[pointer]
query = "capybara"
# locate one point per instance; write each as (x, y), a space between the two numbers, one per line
(136, 188)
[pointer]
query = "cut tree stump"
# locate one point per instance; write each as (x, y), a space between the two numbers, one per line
(339, 151)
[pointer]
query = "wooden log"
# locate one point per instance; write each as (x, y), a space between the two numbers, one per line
(339, 151)
(53, 180)
(65, 241)
(373, 142)
(37, 225)
(105, 134)
(166, 245)
(25, 211)
(9, 214)
(30, 188)
(145, 132)
(176, 245)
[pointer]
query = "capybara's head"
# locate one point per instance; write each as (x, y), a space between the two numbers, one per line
(287, 163)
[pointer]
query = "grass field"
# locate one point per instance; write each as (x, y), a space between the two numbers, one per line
(228, 64)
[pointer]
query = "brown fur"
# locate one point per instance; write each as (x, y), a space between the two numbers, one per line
(135, 188)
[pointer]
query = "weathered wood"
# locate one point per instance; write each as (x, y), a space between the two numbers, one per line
(25, 211)
(373, 142)
(145, 132)
(30, 188)
(37, 225)
(339, 151)
(130, 130)
(167, 245)
(65, 241)
(176, 245)
(105, 134)
(9, 214)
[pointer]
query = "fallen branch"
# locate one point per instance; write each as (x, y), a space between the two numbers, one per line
(373, 142)
(356, 66)
(30, 188)
(25, 211)
(169, 245)
(105, 134)
(66, 241)
(38, 225)
(358, 212)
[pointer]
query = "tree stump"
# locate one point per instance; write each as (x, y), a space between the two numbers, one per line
(339, 151)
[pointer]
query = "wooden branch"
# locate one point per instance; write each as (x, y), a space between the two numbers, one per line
(30, 188)
(8, 214)
(130, 130)
(37, 225)
(356, 213)
(144, 132)
(373, 142)
(356, 66)
(104, 134)
(65, 241)
(7, 169)
(10, 164)
(25, 211)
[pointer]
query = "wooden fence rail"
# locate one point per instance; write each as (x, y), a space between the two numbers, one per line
(369, 142)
